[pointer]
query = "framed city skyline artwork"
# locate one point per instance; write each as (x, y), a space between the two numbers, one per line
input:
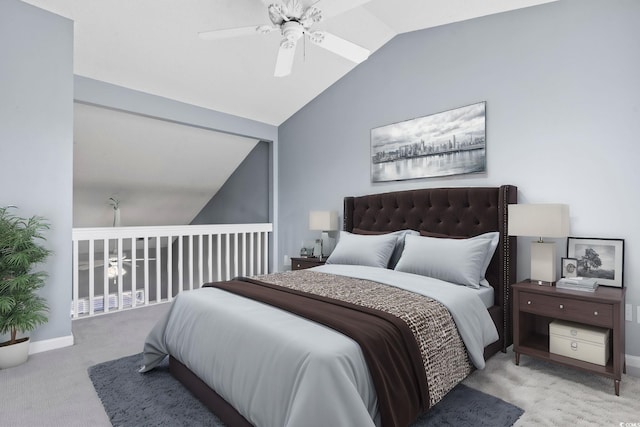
(452, 142)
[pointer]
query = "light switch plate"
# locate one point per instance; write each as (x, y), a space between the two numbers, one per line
(638, 317)
(628, 312)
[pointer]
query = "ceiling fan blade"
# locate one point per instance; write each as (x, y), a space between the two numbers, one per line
(230, 32)
(339, 46)
(84, 265)
(286, 53)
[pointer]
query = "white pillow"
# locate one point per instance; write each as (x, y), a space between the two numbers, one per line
(493, 237)
(397, 250)
(358, 249)
(457, 261)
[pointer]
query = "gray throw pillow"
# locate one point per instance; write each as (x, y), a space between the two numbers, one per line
(355, 249)
(397, 250)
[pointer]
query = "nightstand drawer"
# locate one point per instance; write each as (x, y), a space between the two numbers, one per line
(592, 313)
(303, 263)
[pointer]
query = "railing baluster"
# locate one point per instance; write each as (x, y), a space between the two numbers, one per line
(265, 253)
(259, 253)
(210, 257)
(241, 241)
(119, 266)
(227, 257)
(200, 265)
(219, 257)
(190, 262)
(145, 257)
(243, 271)
(158, 271)
(251, 254)
(170, 268)
(180, 267)
(91, 276)
(134, 285)
(105, 268)
(236, 249)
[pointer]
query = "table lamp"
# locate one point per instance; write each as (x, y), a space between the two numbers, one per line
(323, 221)
(540, 220)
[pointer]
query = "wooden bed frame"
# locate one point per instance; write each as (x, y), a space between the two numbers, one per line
(456, 212)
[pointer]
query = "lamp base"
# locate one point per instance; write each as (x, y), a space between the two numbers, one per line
(543, 262)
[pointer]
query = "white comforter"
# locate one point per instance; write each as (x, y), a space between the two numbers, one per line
(278, 369)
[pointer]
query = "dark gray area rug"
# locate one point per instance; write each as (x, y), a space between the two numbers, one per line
(157, 399)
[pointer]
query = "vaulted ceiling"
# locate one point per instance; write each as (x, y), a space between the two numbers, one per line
(158, 170)
(153, 46)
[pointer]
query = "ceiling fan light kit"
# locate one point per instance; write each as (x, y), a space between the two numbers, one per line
(294, 21)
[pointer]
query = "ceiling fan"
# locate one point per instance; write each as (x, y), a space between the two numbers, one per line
(114, 262)
(294, 21)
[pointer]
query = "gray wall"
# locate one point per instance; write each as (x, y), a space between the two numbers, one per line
(244, 197)
(563, 119)
(36, 139)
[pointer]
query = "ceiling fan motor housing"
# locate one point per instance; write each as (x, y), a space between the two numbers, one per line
(292, 31)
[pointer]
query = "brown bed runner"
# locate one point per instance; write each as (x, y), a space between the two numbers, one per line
(388, 344)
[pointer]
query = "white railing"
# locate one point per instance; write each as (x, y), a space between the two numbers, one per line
(107, 275)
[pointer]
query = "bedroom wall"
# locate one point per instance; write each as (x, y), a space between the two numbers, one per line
(244, 197)
(36, 143)
(563, 118)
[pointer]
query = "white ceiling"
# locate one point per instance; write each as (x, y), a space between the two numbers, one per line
(152, 46)
(162, 173)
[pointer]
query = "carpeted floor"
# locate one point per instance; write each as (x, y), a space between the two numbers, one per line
(53, 388)
(157, 399)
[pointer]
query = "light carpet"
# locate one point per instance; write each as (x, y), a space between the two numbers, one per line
(157, 399)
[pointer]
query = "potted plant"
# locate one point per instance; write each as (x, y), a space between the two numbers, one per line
(21, 308)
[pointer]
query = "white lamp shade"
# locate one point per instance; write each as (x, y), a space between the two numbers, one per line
(323, 220)
(539, 220)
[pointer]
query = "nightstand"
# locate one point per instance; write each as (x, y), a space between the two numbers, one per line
(535, 306)
(302, 263)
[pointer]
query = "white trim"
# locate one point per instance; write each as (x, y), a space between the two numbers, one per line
(51, 344)
(632, 361)
(88, 233)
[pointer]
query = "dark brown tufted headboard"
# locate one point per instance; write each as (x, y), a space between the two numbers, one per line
(463, 211)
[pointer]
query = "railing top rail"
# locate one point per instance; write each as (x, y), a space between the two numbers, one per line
(86, 233)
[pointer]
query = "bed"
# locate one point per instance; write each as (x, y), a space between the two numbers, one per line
(253, 364)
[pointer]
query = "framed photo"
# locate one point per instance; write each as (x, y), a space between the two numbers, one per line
(569, 267)
(441, 144)
(601, 259)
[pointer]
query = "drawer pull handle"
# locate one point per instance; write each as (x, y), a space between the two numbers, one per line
(561, 305)
(529, 302)
(298, 265)
(574, 346)
(595, 313)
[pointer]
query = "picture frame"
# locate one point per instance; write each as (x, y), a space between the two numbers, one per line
(569, 267)
(598, 258)
(451, 142)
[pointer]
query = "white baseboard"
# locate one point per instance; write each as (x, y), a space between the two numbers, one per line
(632, 361)
(51, 344)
